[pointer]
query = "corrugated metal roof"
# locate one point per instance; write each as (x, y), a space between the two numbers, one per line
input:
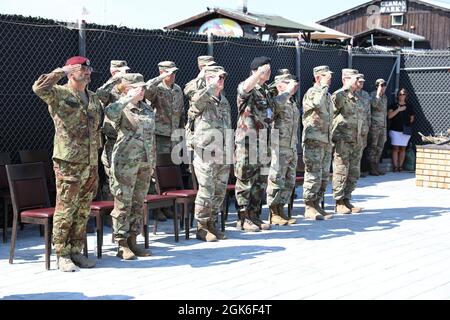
(325, 33)
(276, 21)
(394, 32)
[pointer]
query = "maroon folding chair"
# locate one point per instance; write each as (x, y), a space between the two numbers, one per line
(30, 200)
(169, 182)
(98, 210)
(4, 192)
(156, 201)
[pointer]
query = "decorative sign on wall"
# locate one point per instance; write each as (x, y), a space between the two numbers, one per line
(393, 7)
(222, 27)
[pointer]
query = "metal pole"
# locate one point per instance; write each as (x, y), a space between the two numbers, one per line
(350, 58)
(298, 67)
(82, 39)
(394, 67)
(425, 68)
(210, 45)
(299, 91)
(397, 78)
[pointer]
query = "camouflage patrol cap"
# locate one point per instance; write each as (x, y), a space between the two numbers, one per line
(321, 70)
(380, 81)
(167, 66)
(133, 79)
(116, 64)
(283, 77)
(205, 60)
(215, 70)
(349, 72)
(283, 71)
(360, 77)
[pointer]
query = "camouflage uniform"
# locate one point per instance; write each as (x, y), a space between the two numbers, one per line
(75, 158)
(169, 109)
(212, 116)
(377, 133)
(108, 93)
(346, 135)
(189, 90)
(364, 102)
(282, 173)
(251, 178)
(133, 160)
(316, 140)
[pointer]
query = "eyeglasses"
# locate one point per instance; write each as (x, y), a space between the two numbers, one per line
(383, 84)
(87, 68)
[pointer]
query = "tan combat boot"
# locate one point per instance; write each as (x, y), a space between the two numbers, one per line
(65, 264)
(245, 224)
(137, 249)
(81, 261)
(124, 251)
(276, 219)
(281, 213)
(257, 220)
(326, 215)
(218, 233)
(204, 234)
(341, 207)
(311, 212)
(352, 207)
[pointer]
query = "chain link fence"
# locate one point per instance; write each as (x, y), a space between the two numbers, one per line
(31, 47)
(426, 77)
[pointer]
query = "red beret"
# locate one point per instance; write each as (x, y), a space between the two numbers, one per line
(78, 60)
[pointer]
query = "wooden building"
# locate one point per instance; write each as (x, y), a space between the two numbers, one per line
(426, 21)
(241, 23)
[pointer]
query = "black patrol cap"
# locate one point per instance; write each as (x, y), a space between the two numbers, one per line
(259, 61)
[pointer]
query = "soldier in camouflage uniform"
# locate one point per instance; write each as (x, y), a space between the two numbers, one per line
(316, 140)
(254, 107)
(133, 161)
(166, 98)
(364, 103)
(76, 113)
(377, 133)
(109, 93)
(212, 114)
(189, 90)
(283, 167)
(346, 137)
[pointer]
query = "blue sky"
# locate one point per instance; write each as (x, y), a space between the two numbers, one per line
(151, 14)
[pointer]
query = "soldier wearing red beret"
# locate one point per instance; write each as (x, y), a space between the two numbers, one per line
(76, 113)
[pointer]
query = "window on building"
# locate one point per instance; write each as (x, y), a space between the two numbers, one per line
(396, 19)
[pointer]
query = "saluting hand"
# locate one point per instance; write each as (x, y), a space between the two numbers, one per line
(292, 87)
(137, 94)
(379, 89)
(326, 79)
(263, 69)
(71, 68)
